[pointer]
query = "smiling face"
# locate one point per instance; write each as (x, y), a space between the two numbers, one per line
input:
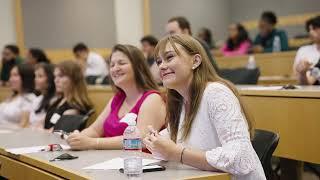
(121, 70)
(175, 70)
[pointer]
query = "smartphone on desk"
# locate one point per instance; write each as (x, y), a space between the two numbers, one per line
(150, 168)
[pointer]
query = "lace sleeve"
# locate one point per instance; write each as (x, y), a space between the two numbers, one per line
(236, 155)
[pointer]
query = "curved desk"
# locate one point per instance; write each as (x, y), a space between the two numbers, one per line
(37, 166)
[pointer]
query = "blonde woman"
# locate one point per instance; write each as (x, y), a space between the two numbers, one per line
(208, 128)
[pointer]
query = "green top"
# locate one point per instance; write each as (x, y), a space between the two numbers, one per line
(268, 42)
(7, 66)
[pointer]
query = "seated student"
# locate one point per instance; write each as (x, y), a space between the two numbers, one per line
(44, 84)
(21, 83)
(206, 36)
(148, 44)
(10, 58)
(269, 38)
(35, 56)
(309, 56)
(71, 87)
(135, 92)
(238, 42)
(208, 128)
(93, 64)
(180, 25)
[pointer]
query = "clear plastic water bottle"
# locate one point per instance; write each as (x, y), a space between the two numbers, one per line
(276, 44)
(251, 62)
(315, 72)
(132, 145)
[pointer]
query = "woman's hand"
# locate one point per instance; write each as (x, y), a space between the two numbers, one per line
(303, 66)
(79, 141)
(162, 147)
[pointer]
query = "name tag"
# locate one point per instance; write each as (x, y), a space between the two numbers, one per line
(54, 118)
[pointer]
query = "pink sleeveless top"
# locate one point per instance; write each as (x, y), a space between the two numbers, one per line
(112, 127)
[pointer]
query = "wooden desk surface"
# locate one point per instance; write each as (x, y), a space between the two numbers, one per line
(277, 80)
(302, 91)
(73, 169)
(294, 114)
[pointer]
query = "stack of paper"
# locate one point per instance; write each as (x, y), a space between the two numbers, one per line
(32, 149)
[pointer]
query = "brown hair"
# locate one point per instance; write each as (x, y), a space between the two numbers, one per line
(78, 97)
(142, 74)
(203, 74)
(182, 22)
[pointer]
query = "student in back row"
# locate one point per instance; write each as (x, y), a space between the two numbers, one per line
(308, 57)
(269, 38)
(238, 42)
(148, 44)
(135, 92)
(205, 35)
(10, 58)
(36, 56)
(94, 66)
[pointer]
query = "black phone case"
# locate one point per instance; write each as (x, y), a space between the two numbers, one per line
(66, 156)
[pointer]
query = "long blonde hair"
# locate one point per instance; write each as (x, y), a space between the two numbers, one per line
(203, 74)
(78, 96)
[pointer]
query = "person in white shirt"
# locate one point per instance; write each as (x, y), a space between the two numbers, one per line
(207, 126)
(21, 83)
(94, 65)
(308, 56)
(44, 84)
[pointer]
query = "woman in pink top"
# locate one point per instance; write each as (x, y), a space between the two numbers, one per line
(238, 42)
(135, 92)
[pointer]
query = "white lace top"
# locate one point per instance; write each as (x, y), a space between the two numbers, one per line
(220, 129)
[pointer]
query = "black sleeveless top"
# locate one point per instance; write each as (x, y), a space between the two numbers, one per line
(54, 109)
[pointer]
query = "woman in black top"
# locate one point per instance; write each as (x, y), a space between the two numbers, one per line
(70, 85)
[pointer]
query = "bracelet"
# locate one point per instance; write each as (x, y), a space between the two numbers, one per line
(181, 161)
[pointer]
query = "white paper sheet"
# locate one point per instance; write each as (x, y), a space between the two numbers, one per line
(117, 163)
(32, 149)
(5, 131)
